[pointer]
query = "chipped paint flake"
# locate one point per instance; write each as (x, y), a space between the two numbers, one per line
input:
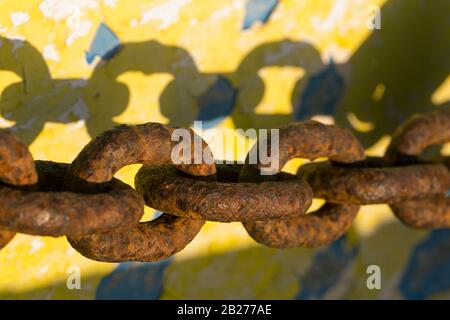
(105, 44)
(44, 269)
(50, 53)
(334, 17)
(167, 13)
(63, 9)
(134, 23)
(73, 12)
(258, 11)
(227, 11)
(36, 244)
(110, 3)
(19, 18)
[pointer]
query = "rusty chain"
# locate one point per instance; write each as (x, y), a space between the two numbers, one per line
(100, 215)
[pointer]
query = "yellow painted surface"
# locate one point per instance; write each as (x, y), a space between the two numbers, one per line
(172, 51)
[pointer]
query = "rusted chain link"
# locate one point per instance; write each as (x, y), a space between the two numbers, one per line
(96, 164)
(101, 216)
(309, 139)
(48, 211)
(408, 143)
(166, 189)
(16, 169)
(370, 182)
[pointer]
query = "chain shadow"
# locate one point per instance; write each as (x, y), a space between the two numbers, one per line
(39, 98)
(417, 269)
(392, 75)
(397, 69)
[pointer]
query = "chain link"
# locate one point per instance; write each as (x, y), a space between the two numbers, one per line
(100, 215)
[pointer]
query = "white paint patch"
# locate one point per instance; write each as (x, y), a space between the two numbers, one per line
(74, 12)
(75, 125)
(63, 9)
(19, 18)
(36, 245)
(110, 3)
(50, 53)
(79, 110)
(227, 11)
(44, 269)
(133, 23)
(80, 29)
(167, 13)
(335, 16)
(5, 123)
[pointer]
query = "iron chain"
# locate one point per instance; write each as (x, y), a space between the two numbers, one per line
(100, 215)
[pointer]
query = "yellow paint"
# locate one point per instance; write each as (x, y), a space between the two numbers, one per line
(359, 125)
(171, 62)
(442, 94)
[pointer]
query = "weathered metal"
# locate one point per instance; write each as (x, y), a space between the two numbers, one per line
(166, 189)
(96, 164)
(100, 215)
(309, 139)
(47, 210)
(368, 184)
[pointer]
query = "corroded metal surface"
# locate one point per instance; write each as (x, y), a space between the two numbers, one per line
(124, 145)
(315, 229)
(166, 189)
(147, 241)
(16, 162)
(53, 212)
(100, 215)
(408, 142)
(433, 212)
(417, 133)
(5, 237)
(311, 140)
(367, 185)
(16, 168)
(99, 160)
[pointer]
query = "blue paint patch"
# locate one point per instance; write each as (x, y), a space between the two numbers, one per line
(258, 10)
(133, 280)
(216, 103)
(428, 270)
(327, 268)
(105, 44)
(322, 94)
(157, 214)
